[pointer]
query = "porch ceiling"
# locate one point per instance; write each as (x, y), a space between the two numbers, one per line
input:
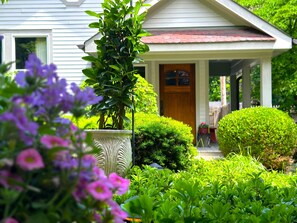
(206, 36)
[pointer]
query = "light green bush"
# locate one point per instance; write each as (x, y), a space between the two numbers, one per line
(145, 97)
(266, 133)
(236, 189)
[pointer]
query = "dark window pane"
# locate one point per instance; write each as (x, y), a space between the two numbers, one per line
(140, 71)
(26, 46)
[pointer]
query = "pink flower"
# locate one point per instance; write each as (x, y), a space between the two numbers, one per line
(10, 220)
(99, 173)
(53, 141)
(119, 183)
(99, 190)
(29, 159)
(117, 212)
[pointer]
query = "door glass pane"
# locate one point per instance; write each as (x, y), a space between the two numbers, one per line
(170, 79)
(25, 46)
(183, 78)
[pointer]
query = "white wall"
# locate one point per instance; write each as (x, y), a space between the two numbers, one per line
(66, 26)
(185, 13)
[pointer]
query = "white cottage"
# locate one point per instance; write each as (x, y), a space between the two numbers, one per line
(194, 39)
(191, 40)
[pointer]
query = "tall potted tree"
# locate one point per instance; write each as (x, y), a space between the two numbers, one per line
(112, 76)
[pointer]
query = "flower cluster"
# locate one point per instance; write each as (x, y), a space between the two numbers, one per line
(47, 170)
(203, 125)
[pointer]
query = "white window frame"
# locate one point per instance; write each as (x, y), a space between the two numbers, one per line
(32, 34)
(3, 49)
(72, 2)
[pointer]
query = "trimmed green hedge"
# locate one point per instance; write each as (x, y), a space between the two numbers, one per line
(164, 141)
(266, 133)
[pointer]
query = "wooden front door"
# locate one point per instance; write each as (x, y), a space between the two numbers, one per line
(177, 93)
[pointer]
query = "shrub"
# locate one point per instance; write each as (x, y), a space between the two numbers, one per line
(145, 96)
(236, 189)
(162, 140)
(266, 133)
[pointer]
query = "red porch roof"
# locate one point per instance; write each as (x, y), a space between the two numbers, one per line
(206, 36)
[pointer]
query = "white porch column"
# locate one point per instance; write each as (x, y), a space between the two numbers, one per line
(266, 82)
(246, 87)
(202, 92)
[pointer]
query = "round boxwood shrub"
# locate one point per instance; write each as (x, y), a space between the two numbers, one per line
(164, 141)
(266, 133)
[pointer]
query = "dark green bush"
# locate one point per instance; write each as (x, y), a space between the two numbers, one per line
(266, 133)
(162, 140)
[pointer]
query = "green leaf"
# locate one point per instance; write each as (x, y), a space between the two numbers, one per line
(39, 217)
(92, 13)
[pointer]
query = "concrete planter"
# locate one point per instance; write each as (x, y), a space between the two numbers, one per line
(116, 154)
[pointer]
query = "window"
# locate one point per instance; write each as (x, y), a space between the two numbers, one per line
(140, 70)
(177, 78)
(27, 45)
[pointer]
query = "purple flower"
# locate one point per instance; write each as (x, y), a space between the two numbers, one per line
(119, 183)
(20, 78)
(79, 192)
(99, 190)
(64, 160)
(26, 128)
(5, 177)
(86, 97)
(29, 159)
(88, 161)
(50, 141)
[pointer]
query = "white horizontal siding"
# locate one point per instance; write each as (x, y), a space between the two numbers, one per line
(185, 13)
(68, 26)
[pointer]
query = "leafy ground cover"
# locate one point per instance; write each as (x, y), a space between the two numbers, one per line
(236, 189)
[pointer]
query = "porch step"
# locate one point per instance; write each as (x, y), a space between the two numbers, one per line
(209, 153)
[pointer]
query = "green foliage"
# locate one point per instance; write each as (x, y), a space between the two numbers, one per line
(7, 86)
(282, 14)
(3, 1)
(145, 97)
(237, 189)
(112, 74)
(215, 88)
(266, 133)
(162, 140)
